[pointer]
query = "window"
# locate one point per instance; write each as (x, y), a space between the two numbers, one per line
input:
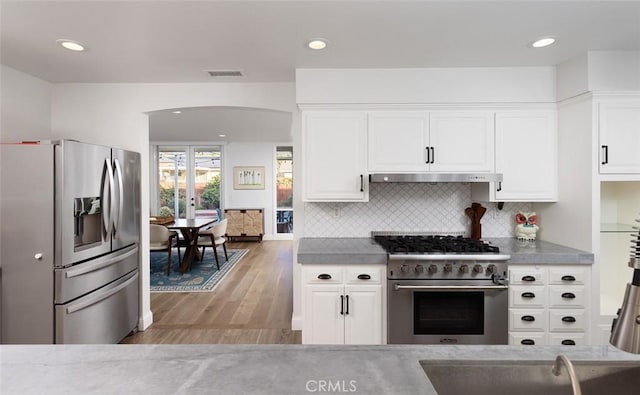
(284, 189)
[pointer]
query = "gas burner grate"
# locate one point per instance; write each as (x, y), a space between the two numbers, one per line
(420, 244)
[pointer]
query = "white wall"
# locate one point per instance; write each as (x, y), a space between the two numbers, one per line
(25, 106)
(114, 114)
(437, 85)
(251, 154)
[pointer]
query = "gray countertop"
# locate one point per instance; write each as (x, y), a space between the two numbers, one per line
(366, 251)
(248, 369)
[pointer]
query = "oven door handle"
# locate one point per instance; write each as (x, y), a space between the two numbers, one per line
(398, 287)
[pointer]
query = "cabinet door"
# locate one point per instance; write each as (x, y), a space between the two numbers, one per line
(619, 126)
(334, 162)
(323, 322)
(398, 141)
(252, 222)
(235, 220)
(526, 156)
(363, 314)
(461, 141)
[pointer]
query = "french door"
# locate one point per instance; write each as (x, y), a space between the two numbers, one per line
(189, 180)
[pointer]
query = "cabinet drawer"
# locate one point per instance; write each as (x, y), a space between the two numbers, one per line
(567, 320)
(567, 296)
(323, 275)
(568, 275)
(358, 274)
(521, 296)
(528, 276)
(567, 339)
(527, 320)
(527, 339)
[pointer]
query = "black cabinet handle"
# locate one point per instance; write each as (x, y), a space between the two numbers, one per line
(364, 277)
(528, 278)
(568, 319)
(324, 276)
(528, 318)
(528, 295)
(428, 155)
(568, 295)
(568, 342)
(499, 186)
(341, 304)
(433, 154)
(347, 311)
(568, 278)
(528, 342)
(361, 183)
(605, 154)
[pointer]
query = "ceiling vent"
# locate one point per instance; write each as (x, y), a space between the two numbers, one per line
(225, 73)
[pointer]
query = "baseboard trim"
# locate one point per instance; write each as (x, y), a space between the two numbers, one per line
(296, 323)
(145, 320)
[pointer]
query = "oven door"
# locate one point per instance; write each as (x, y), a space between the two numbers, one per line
(447, 312)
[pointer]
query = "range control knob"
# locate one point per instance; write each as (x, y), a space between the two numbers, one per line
(404, 268)
(464, 269)
(433, 269)
(478, 269)
(448, 267)
(491, 268)
(419, 269)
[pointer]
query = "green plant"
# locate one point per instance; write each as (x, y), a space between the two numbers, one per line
(211, 194)
(165, 212)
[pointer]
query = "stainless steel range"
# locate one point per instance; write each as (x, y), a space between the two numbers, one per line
(445, 290)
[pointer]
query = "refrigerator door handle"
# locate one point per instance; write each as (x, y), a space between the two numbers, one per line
(118, 217)
(103, 294)
(107, 176)
(100, 263)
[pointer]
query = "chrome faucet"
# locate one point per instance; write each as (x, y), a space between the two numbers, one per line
(562, 359)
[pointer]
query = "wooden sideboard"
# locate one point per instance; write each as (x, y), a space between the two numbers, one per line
(244, 223)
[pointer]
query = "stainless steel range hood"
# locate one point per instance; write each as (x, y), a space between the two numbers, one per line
(435, 177)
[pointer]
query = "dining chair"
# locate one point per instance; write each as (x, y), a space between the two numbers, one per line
(213, 237)
(162, 239)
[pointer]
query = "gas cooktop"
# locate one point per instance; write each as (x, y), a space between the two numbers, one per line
(433, 244)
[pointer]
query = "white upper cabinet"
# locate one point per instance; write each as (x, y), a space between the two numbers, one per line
(461, 141)
(334, 157)
(526, 146)
(619, 130)
(415, 141)
(398, 141)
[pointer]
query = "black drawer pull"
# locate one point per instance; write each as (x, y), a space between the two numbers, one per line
(364, 277)
(569, 319)
(568, 295)
(568, 342)
(528, 318)
(528, 278)
(528, 342)
(568, 277)
(324, 276)
(341, 304)
(347, 311)
(528, 295)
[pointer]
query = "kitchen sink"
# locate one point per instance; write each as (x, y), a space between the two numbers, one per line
(531, 377)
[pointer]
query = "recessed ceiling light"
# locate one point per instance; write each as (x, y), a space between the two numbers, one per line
(222, 135)
(317, 43)
(177, 112)
(543, 42)
(71, 45)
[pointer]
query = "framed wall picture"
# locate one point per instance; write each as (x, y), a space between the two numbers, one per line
(248, 177)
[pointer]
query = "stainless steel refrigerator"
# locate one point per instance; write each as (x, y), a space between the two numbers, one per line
(69, 243)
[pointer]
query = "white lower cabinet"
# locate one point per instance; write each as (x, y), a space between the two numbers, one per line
(548, 305)
(343, 304)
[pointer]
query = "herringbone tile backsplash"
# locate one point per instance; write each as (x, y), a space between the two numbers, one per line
(409, 207)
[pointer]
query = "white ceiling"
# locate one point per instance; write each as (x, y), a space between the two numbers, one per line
(176, 41)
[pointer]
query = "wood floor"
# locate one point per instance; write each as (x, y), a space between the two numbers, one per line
(252, 304)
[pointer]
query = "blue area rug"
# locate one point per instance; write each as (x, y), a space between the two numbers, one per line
(203, 276)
